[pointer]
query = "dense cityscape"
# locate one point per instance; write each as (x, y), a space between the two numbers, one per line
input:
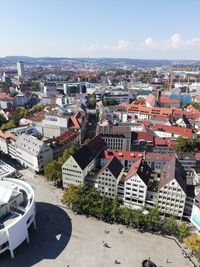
(99, 134)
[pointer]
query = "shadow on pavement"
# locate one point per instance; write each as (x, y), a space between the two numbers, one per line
(52, 235)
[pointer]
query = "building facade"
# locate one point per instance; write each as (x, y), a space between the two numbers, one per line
(17, 213)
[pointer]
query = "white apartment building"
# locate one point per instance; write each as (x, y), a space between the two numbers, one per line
(82, 162)
(109, 178)
(172, 190)
(76, 168)
(32, 153)
(136, 184)
(17, 213)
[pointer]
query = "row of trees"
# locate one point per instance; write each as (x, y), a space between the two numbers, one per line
(53, 170)
(187, 145)
(87, 201)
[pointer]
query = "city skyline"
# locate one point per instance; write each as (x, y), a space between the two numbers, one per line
(116, 28)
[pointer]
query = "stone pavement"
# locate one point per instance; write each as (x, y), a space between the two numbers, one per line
(63, 239)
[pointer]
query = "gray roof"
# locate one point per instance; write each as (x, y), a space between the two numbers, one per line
(29, 144)
(88, 152)
(173, 170)
(114, 166)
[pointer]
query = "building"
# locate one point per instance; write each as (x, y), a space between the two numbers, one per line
(109, 178)
(6, 101)
(50, 90)
(32, 153)
(117, 138)
(187, 160)
(136, 184)
(118, 96)
(21, 99)
(82, 162)
(20, 69)
(157, 160)
(6, 170)
(172, 189)
(17, 213)
(127, 158)
(60, 143)
(53, 125)
(7, 143)
(195, 217)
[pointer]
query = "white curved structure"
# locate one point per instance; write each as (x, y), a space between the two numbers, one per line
(17, 213)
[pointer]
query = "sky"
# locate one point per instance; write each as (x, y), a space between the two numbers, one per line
(148, 29)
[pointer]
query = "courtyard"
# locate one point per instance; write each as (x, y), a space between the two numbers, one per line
(64, 239)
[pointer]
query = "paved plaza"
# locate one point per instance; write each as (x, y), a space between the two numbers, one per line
(64, 239)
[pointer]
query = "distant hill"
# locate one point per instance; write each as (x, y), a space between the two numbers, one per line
(108, 62)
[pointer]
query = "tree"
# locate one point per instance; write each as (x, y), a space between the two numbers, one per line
(103, 209)
(153, 219)
(35, 86)
(69, 195)
(111, 102)
(126, 216)
(187, 145)
(115, 210)
(192, 242)
(8, 125)
(2, 119)
(183, 230)
(139, 218)
(67, 153)
(169, 226)
(53, 171)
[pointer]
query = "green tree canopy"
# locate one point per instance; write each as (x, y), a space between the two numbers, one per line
(111, 102)
(53, 171)
(169, 226)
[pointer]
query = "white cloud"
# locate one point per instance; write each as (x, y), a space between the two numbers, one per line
(148, 42)
(123, 44)
(175, 46)
(176, 41)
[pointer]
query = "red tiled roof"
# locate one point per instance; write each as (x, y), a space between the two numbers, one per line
(74, 123)
(160, 141)
(160, 118)
(190, 108)
(158, 111)
(122, 155)
(145, 136)
(151, 99)
(186, 132)
(7, 135)
(67, 137)
(166, 100)
(134, 168)
(158, 156)
(145, 122)
(5, 97)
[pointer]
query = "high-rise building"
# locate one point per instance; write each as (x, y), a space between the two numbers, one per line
(20, 69)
